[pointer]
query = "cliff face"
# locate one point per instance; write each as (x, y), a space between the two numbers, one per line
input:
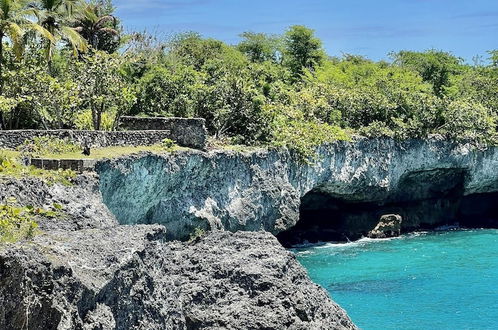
(127, 278)
(341, 195)
(88, 272)
(85, 271)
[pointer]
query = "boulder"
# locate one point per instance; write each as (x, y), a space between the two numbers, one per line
(388, 226)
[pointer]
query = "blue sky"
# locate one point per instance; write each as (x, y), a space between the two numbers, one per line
(365, 27)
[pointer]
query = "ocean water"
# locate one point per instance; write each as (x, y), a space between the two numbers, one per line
(439, 280)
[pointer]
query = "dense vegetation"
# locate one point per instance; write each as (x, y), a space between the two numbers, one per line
(67, 64)
(19, 222)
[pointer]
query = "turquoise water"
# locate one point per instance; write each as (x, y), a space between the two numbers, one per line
(441, 280)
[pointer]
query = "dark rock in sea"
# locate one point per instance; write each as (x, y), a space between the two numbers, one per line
(129, 278)
(389, 226)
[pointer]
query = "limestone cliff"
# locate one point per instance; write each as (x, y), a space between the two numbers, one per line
(85, 271)
(128, 278)
(341, 195)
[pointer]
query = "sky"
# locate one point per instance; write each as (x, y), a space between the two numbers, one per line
(364, 27)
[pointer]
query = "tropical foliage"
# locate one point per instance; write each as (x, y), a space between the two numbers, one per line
(19, 222)
(67, 64)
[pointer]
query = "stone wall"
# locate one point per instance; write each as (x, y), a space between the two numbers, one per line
(100, 139)
(78, 165)
(189, 132)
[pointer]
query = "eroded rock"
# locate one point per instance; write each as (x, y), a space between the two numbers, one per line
(82, 201)
(422, 180)
(128, 278)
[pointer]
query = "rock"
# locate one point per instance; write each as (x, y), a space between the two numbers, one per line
(129, 278)
(264, 189)
(388, 226)
(82, 202)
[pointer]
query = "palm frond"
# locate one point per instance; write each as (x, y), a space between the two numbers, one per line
(90, 14)
(42, 31)
(15, 34)
(75, 39)
(108, 31)
(104, 20)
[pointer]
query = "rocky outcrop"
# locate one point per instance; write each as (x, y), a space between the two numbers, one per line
(340, 196)
(389, 226)
(88, 272)
(129, 278)
(81, 201)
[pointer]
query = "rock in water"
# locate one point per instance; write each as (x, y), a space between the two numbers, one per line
(388, 226)
(128, 277)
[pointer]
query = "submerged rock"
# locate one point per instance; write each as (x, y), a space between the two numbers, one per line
(388, 226)
(128, 278)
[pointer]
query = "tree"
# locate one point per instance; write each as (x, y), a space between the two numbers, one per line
(260, 47)
(98, 28)
(302, 50)
(13, 23)
(434, 66)
(37, 99)
(193, 50)
(102, 87)
(55, 16)
(493, 57)
(168, 91)
(11, 17)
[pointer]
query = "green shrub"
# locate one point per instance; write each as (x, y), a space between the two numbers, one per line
(303, 137)
(40, 146)
(19, 222)
(16, 223)
(11, 167)
(197, 234)
(376, 129)
(168, 144)
(467, 120)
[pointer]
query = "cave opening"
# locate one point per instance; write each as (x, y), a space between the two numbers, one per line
(425, 199)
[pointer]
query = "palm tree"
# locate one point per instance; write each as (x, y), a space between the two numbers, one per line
(13, 24)
(99, 30)
(55, 16)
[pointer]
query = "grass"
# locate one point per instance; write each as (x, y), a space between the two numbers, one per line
(224, 144)
(112, 152)
(10, 166)
(98, 153)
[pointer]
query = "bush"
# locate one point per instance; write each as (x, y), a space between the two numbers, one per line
(168, 144)
(303, 137)
(18, 222)
(42, 146)
(376, 129)
(13, 168)
(467, 120)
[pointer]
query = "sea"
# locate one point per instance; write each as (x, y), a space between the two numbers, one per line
(428, 280)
